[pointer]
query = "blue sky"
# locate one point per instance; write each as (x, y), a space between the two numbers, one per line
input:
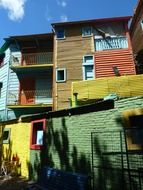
(20, 17)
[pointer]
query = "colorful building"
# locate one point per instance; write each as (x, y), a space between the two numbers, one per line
(27, 74)
(62, 140)
(136, 30)
(89, 49)
(15, 151)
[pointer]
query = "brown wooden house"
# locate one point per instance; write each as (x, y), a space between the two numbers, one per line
(136, 33)
(85, 50)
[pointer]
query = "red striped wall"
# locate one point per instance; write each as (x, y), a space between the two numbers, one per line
(105, 60)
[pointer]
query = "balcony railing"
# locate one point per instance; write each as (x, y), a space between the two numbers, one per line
(32, 59)
(32, 97)
(111, 43)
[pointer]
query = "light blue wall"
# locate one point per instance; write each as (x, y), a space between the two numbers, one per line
(10, 83)
(13, 82)
(4, 69)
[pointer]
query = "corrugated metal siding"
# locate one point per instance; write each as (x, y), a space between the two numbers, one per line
(123, 86)
(105, 60)
(4, 80)
(13, 87)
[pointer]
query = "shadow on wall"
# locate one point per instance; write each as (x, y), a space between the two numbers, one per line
(1, 142)
(11, 161)
(58, 151)
(106, 174)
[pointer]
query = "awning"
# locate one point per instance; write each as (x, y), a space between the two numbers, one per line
(4, 47)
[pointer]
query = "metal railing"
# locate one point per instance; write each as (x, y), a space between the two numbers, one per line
(31, 97)
(111, 43)
(28, 59)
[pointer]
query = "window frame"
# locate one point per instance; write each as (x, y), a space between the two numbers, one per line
(37, 146)
(65, 75)
(131, 146)
(7, 141)
(84, 64)
(83, 31)
(60, 38)
(141, 22)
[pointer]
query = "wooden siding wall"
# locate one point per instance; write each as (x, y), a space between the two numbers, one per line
(70, 52)
(137, 33)
(4, 79)
(105, 60)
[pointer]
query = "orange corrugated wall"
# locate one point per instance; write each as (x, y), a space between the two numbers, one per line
(122, 59)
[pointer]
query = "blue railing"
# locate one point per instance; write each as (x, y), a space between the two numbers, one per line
(111, 43)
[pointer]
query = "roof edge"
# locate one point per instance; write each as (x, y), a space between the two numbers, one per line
(125, 18)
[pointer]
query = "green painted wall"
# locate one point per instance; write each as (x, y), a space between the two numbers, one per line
(68, 139)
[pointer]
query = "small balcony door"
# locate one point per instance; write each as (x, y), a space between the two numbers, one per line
(27, 91)
(89, 72)
(88, 67)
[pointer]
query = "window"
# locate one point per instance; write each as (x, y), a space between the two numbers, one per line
(2, 56)
(136, 131)
(60, 33)
(88, 67)
(141, 23)
(1, 88)
(61, 75)
(86, 31)
(6, 135)
(37, 134)
(133, 120)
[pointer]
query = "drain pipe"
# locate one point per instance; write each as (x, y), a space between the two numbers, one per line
(70, 102)
(75, 99)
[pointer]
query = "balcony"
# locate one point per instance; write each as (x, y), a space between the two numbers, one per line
(111, 43)
(30, 60)
(31, 98)
(123, 86)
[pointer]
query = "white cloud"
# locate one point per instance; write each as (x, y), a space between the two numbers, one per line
(15, 8)
(62, 3)
(64, 18)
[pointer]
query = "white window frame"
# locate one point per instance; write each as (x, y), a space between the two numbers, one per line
(83, 31)
(141, 22)
(65, 75)
(60, 38)
(88, 64)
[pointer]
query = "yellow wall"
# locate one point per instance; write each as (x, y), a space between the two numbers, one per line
(124, 86)
(19, 144)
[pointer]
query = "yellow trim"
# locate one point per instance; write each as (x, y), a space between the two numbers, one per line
(30, 106)
(31, 66)
(126, 114)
